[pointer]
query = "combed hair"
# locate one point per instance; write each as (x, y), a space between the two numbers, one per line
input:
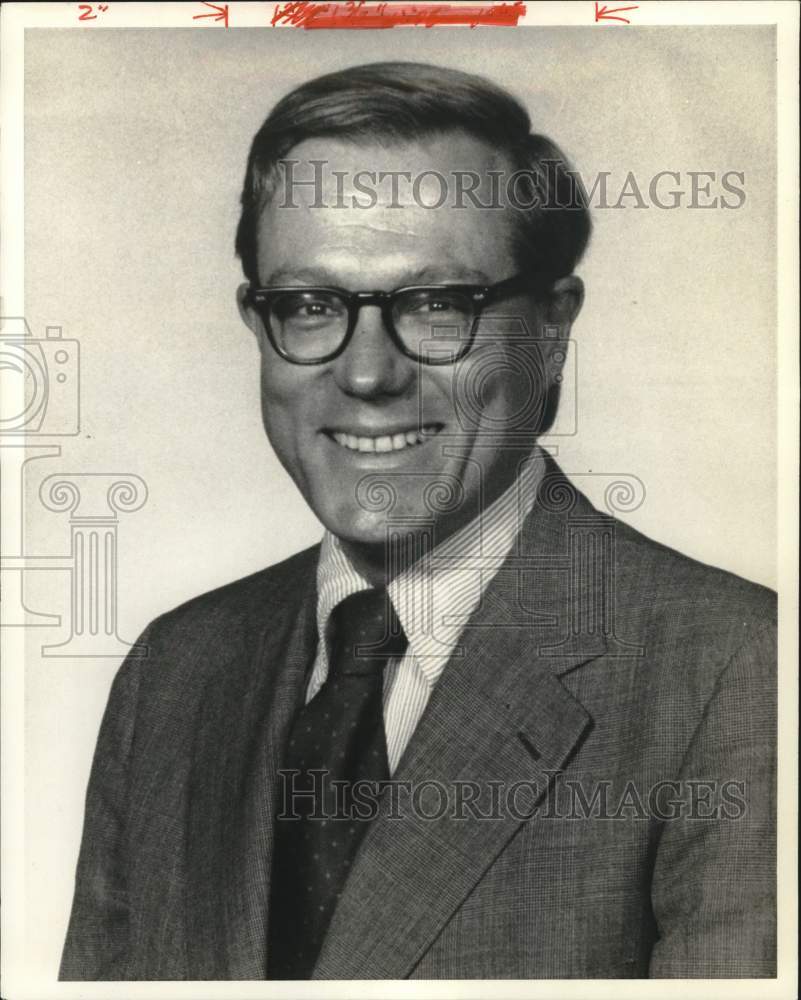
(402, 101)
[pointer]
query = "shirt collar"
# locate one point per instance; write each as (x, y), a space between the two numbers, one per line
(435, 596)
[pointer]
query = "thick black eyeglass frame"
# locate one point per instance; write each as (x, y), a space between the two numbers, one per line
(480, 295)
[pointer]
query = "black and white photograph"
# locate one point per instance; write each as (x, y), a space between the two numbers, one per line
(399, 448)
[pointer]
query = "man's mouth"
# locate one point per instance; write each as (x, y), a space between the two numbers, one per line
(386, 442)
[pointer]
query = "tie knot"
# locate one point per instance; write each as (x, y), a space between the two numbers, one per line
(366, 632)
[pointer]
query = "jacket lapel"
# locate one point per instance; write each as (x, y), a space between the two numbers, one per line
(498, 714)
(245, 713)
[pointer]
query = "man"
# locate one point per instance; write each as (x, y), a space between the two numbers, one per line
(483, 730)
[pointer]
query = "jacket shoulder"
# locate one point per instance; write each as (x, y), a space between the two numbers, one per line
(239, 600)
(209, 635)
(668, 580)
(650, 581)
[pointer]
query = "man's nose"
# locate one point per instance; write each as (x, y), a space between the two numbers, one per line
(371, 365)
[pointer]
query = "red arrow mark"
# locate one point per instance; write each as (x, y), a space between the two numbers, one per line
(606, 13)
(218, 13)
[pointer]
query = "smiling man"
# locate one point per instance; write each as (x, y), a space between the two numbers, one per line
(482, 730)
(374, 306)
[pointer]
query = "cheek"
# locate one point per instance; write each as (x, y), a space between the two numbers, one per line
(435, 389)
(285, 398)
(502, 389)
(276, 395)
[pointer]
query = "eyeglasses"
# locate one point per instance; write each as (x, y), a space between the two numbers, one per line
(433, 324)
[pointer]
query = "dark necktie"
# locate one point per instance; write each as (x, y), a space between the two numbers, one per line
(337, 737)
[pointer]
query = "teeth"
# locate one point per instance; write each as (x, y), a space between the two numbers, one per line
(386, 442)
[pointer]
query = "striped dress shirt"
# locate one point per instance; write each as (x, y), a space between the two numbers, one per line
(433, 600)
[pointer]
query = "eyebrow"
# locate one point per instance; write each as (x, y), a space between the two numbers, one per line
(435, 275)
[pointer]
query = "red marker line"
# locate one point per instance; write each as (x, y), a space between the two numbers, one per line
(607, 13)
(218, 13)
(305, 14)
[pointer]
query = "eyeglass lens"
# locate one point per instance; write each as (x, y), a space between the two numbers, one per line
(432, 324)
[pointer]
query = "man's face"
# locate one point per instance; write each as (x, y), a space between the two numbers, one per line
(330, 424)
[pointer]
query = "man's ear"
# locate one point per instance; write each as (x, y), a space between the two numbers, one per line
(564, 303)
(562, 306)
(248, 314)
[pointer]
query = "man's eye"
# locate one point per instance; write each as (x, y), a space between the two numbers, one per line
(314, 309)
(441, 304)
(305, 310)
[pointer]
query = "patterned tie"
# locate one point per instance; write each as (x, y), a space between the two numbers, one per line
(337, 737)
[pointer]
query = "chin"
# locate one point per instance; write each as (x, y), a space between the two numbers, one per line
(358, 530)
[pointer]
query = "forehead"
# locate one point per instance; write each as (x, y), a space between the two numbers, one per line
(383, 210)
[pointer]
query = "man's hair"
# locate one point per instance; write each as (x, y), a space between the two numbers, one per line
(392, 102)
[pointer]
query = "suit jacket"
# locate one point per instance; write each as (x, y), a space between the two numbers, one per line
(599, 666)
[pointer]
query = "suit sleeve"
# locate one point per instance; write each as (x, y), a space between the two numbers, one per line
(96, 946)
(714, 882)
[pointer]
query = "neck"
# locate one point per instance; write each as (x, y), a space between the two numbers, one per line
(380, 562)
(371, 561)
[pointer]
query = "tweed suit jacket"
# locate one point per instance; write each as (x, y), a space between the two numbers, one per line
(599, 666)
